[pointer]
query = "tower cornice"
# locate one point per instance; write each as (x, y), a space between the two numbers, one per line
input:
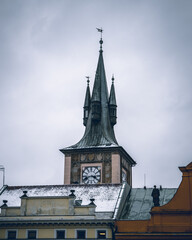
(114, 149)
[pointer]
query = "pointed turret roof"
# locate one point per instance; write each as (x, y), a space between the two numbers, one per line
(99, 133)
(112, 97)
(87, 95)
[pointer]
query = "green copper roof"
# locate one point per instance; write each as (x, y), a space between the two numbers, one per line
(87, 96)
(99, 133)
(112, 97)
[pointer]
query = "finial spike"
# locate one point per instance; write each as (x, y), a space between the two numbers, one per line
(113, 78)
(101, 40)
(88, 81)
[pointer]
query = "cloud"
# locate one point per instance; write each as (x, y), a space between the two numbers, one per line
(47, 48)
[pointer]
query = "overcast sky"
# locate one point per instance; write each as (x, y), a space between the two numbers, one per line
(46, 50)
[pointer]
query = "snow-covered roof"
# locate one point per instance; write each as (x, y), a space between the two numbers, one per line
(105, 195)
(137, 206)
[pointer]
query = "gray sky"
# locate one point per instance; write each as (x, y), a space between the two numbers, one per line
(46, 50)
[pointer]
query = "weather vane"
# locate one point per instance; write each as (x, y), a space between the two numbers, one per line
(100, 30)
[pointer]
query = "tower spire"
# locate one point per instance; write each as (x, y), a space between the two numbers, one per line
(98, 149)
(99, 130)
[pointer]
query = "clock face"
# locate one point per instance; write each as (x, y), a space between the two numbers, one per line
(91, 175)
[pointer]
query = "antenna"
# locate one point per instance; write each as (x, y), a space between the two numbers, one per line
(3, 170)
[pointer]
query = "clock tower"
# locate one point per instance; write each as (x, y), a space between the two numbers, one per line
(97, 158)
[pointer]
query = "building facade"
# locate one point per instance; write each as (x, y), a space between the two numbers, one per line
(58, 212)
(168, 221)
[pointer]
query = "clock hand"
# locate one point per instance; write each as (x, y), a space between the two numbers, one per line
(92, 176)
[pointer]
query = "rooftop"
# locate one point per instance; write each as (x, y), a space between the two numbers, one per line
(105, 195)
(137, 206)
(140, 202)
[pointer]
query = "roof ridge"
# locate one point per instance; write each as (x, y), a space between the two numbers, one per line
(64, 185)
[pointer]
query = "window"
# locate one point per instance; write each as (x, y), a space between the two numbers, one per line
(101, 234)
(60, 234)
(112, 112)
(32, 234)
(81, 234)
(11, 234)
(124, 176)
(86, 113)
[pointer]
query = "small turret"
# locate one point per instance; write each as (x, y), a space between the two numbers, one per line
(112, 104)
(86, 107)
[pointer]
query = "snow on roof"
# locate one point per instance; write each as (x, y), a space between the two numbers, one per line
(105, 195)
